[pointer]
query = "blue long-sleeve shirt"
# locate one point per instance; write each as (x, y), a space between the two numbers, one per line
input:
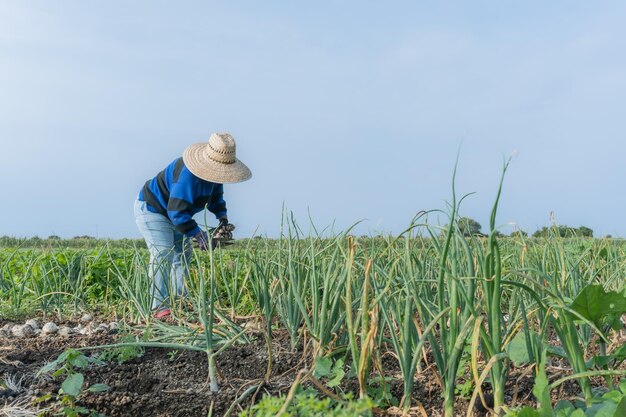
(178, 194)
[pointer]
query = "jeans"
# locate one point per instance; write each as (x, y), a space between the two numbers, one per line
(170, 252)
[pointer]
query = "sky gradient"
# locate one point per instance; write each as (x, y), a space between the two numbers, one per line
(349, 111)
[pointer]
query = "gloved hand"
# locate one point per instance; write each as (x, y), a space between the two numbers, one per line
(203, 240)
(224, 231)
(223, 221)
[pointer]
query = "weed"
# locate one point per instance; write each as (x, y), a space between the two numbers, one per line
(67, 365)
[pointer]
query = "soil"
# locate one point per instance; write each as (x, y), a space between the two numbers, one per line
(175, 383)
(161, 382)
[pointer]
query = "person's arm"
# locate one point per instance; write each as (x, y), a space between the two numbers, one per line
(179, 207)
(217, 205)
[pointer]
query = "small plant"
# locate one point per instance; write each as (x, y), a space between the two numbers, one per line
(67, 364)
(464, 389)
(379, 390)
(333, 373)
(171, 355)
(611, 404)
(308, 404)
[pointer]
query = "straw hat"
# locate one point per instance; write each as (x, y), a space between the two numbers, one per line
(216, 161)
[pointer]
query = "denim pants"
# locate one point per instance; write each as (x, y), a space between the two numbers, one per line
(170, 252)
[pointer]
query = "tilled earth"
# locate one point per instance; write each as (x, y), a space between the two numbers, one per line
(161, 382)
(175, 383)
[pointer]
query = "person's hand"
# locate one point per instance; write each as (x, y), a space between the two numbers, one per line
(223, 221)
(224, 231)
(203, 240)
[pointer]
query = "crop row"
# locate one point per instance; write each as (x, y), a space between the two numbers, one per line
(483, 301)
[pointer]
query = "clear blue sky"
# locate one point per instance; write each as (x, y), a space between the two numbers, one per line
(352, 110)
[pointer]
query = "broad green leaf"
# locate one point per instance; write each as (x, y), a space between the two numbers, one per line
(621, 408)
(337, 376)
(594, 303)
(70, 412)
(613, 395)
(66, 354)
(98, 388)
(599, 361)
(337, 373)
(528, 412)
(55, 363)
(541, 390)
(563, 409)
(518, 351)
(557, 351)
(603, 409)
(73, 384)
(617, 324)
(47, 368)
(322, 367)
(541, 385)
(79, 361)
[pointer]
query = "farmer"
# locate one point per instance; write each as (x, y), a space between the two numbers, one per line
(166, 204)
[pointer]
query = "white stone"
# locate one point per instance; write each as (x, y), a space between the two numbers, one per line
(86, 318)
(50, 328)
(65, 331)
(114, 325)
(22, 331)
(33, 323)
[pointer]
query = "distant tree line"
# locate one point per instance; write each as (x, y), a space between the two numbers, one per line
(564, 231)
(467, 226)
(470, 227)
(83, 241)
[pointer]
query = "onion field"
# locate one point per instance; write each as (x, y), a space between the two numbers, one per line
(427, 323)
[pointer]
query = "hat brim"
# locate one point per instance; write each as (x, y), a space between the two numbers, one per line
(201, 166)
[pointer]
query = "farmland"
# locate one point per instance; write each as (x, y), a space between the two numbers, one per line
(431, 322)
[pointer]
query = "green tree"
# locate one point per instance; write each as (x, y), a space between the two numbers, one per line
(469, 227)
(564, 231)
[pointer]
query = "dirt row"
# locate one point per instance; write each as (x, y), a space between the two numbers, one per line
(175, 383)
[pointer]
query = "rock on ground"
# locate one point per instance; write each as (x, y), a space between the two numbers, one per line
(22, 331)
(33, 323)
(50, 328)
